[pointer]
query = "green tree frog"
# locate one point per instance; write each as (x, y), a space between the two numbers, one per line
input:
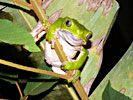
(72, 36)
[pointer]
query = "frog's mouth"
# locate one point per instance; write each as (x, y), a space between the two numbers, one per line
(70, 38)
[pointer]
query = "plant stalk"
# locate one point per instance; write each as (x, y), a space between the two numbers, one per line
(31, 69)
(20, 92)
(37, 7)
(22, 3)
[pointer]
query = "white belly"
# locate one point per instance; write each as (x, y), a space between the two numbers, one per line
(68, 49)
(51, 56)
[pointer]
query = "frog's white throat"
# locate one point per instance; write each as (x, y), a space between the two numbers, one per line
(70, 38)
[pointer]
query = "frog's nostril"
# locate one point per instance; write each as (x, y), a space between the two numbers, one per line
(89, 36)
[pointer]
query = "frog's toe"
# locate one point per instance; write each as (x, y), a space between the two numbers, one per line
(73, 80)
(75, 77)
(63, 65)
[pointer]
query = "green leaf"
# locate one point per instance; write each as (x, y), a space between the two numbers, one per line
(60, 93)
(121, 77)
(38, 86)
(100, 26)
(35, 88)
(13, 34)
(111, 94)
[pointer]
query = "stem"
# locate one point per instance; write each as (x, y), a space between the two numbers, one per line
(77, 84)
(33, 69)
(72, 92)
(26, 98)
(21, 95)
(22, 3)
(37, 7)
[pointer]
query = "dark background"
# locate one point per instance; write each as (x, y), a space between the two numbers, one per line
(118, 42)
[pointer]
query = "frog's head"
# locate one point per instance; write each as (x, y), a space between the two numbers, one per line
(76, 29)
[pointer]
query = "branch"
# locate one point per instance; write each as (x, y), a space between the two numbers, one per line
(20, 92)
(22, 3)
(35, 70)
(37, 7)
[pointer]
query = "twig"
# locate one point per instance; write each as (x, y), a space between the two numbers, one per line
(80, 90)
(4, 99)
(37, 7)
(33, 69)
(72, 92)
(21, 95)
(22, 3)
(26, 98)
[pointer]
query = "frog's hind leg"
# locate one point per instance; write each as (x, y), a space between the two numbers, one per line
(58, 70)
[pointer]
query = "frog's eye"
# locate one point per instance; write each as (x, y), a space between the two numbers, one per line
(68, 23)
(89, 36)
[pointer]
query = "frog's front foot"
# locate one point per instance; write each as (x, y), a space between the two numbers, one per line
(75, 76)
(71, 66)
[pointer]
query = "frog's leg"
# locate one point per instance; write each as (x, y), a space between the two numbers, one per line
(78, 62)
(38, 31)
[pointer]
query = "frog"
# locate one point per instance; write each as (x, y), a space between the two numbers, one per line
(72, 36)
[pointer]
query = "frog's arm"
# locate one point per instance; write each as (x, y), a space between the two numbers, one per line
(79, 61)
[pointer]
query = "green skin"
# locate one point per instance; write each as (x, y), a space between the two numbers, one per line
(79, 31)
